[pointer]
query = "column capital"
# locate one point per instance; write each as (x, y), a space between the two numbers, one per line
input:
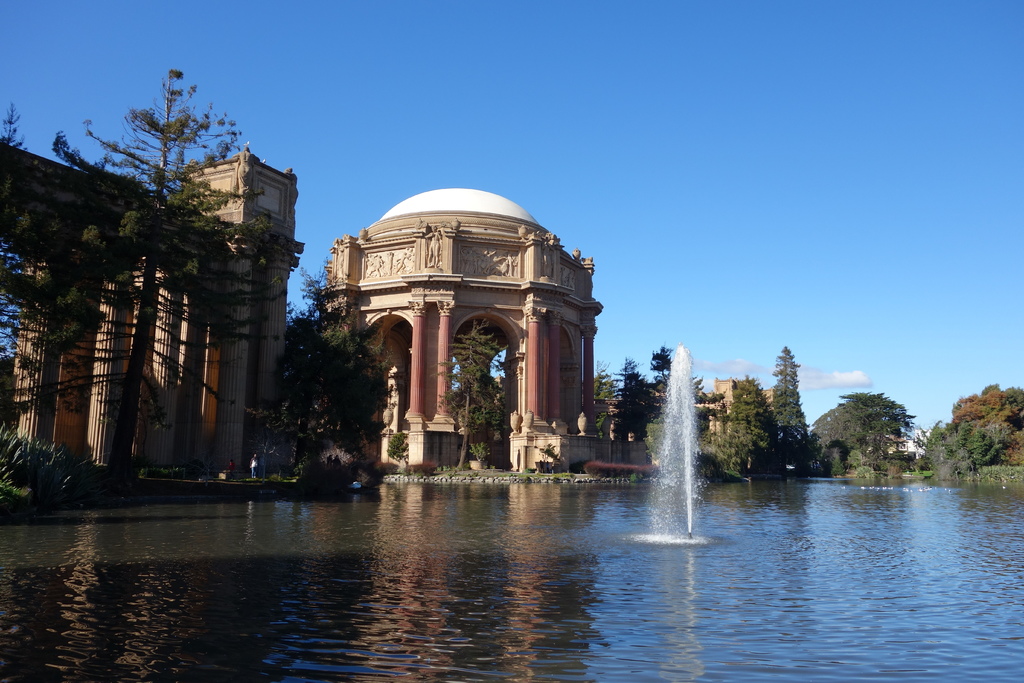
(418, 308)
(589, 330)
(445, 307)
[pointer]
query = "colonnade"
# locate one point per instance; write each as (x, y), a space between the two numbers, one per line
(541, 367)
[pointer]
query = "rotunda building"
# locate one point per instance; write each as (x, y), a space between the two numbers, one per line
(438, 263)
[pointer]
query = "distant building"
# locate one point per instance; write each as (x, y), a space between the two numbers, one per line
(725, 387)
(911, 446)
(206, 407)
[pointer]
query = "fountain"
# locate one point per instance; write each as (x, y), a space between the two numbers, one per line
(674, 495)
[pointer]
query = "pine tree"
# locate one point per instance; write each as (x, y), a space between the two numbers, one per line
(751, 424)
(636, 404)
(661, 366)
(792, 445)
(170, 245)
(9, 130)
(334, 378)
(475, 400)
(869, 423)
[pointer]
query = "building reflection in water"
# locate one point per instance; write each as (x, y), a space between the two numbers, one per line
(458, 577)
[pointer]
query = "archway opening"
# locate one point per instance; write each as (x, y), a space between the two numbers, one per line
(397, 337)
(480, 392)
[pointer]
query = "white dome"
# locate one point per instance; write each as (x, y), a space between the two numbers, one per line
(461, 201)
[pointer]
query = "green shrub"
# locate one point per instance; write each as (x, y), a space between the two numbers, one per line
(894, 470)
(427, 469)
(12, 498)
(480, 451)
(1000, 473)
(864, 472)
(54, 476)
(398, 446)
(617, 470)
(163, 472)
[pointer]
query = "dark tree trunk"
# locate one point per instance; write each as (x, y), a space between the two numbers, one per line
(126, 426)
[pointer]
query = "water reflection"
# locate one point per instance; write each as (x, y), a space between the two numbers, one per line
(794, 580)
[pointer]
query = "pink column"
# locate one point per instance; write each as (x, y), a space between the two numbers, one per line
(589, 331)
(443, 352)
(554, 403)
(417, 382)
(533, 362)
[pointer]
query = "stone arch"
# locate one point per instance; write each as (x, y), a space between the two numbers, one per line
(513, 332)
(508, 333)
(396, 334)
(569, 395)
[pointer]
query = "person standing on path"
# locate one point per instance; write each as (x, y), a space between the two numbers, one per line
(252, 465)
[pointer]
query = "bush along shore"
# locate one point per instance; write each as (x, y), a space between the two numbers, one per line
(592, 472)
(499, 477)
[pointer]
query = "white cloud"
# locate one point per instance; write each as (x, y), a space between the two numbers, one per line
(810, 378)
(730, 368)
(813, 378)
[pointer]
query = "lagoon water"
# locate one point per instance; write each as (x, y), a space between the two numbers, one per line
(799, 580)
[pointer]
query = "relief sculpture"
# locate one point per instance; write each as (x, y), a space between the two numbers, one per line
(482, 261)
(568, 278)
(389, 263)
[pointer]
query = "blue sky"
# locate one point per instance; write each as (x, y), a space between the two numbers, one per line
(842, 178)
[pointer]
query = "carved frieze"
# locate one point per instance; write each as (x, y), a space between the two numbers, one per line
(568, 278)
(388, 263)
(487, 261)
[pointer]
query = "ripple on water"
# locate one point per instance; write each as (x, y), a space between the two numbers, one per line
(786, 581)
(670, 539)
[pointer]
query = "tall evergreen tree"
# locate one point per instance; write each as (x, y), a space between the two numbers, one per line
(475, 400)
(334, 378)
(165, 248)
(636, 403)
(792, 445)
(869, 423)
(605, 383)
(750, 423)
(170, 246)
(9, 129)
(661, 366)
